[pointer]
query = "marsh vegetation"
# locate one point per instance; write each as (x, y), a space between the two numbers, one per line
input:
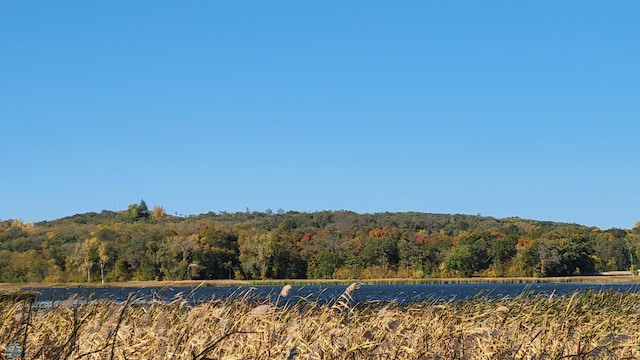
(576, 326)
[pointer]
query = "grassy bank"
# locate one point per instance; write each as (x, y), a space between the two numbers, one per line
(475, 280)
(592, 325)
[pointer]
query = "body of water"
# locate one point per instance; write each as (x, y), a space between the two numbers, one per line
(326, 293)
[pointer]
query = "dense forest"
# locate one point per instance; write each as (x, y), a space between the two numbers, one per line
(147, 244)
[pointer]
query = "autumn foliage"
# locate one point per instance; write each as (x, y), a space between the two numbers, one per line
(138, 244)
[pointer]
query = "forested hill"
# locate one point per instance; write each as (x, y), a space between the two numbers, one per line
(148, 244)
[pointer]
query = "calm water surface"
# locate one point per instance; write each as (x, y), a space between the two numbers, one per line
(328, 293)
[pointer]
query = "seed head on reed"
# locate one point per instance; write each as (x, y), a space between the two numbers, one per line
(351, 288)
(343, 303)
(593, 325)
(284, 292)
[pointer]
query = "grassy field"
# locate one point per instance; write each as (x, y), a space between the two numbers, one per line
(591, 325)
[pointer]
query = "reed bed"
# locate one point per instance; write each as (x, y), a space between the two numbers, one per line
(602, 325)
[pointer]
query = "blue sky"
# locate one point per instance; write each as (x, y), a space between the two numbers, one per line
(503, 108)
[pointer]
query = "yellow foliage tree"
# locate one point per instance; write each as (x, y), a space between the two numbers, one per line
(158, 213)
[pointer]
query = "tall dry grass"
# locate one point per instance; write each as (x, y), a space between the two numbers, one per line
(582, 326)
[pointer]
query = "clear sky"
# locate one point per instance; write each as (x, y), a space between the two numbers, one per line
(503, 108)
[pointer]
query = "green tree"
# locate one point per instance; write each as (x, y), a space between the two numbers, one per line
(550, 260)
(106, 255)
(268, 254)
(421, 253)
(139, 211)
(175, 254)
(143, 210)
(218, 253)
(611, 252)
(323, 264)
(379, 251)
(84, 257)
(470, 254)
(502, 250)
(461, 259)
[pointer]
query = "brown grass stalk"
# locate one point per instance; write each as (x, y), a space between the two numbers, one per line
(580, 326)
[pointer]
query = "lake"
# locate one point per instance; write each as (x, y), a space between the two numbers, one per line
(327, 293)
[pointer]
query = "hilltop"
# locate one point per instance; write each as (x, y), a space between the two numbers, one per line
(143, 244)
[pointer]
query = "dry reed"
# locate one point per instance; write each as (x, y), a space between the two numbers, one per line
(581, 326)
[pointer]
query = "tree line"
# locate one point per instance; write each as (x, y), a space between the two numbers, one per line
(148, 244)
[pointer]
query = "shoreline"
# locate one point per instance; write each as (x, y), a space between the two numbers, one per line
(593, 279)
